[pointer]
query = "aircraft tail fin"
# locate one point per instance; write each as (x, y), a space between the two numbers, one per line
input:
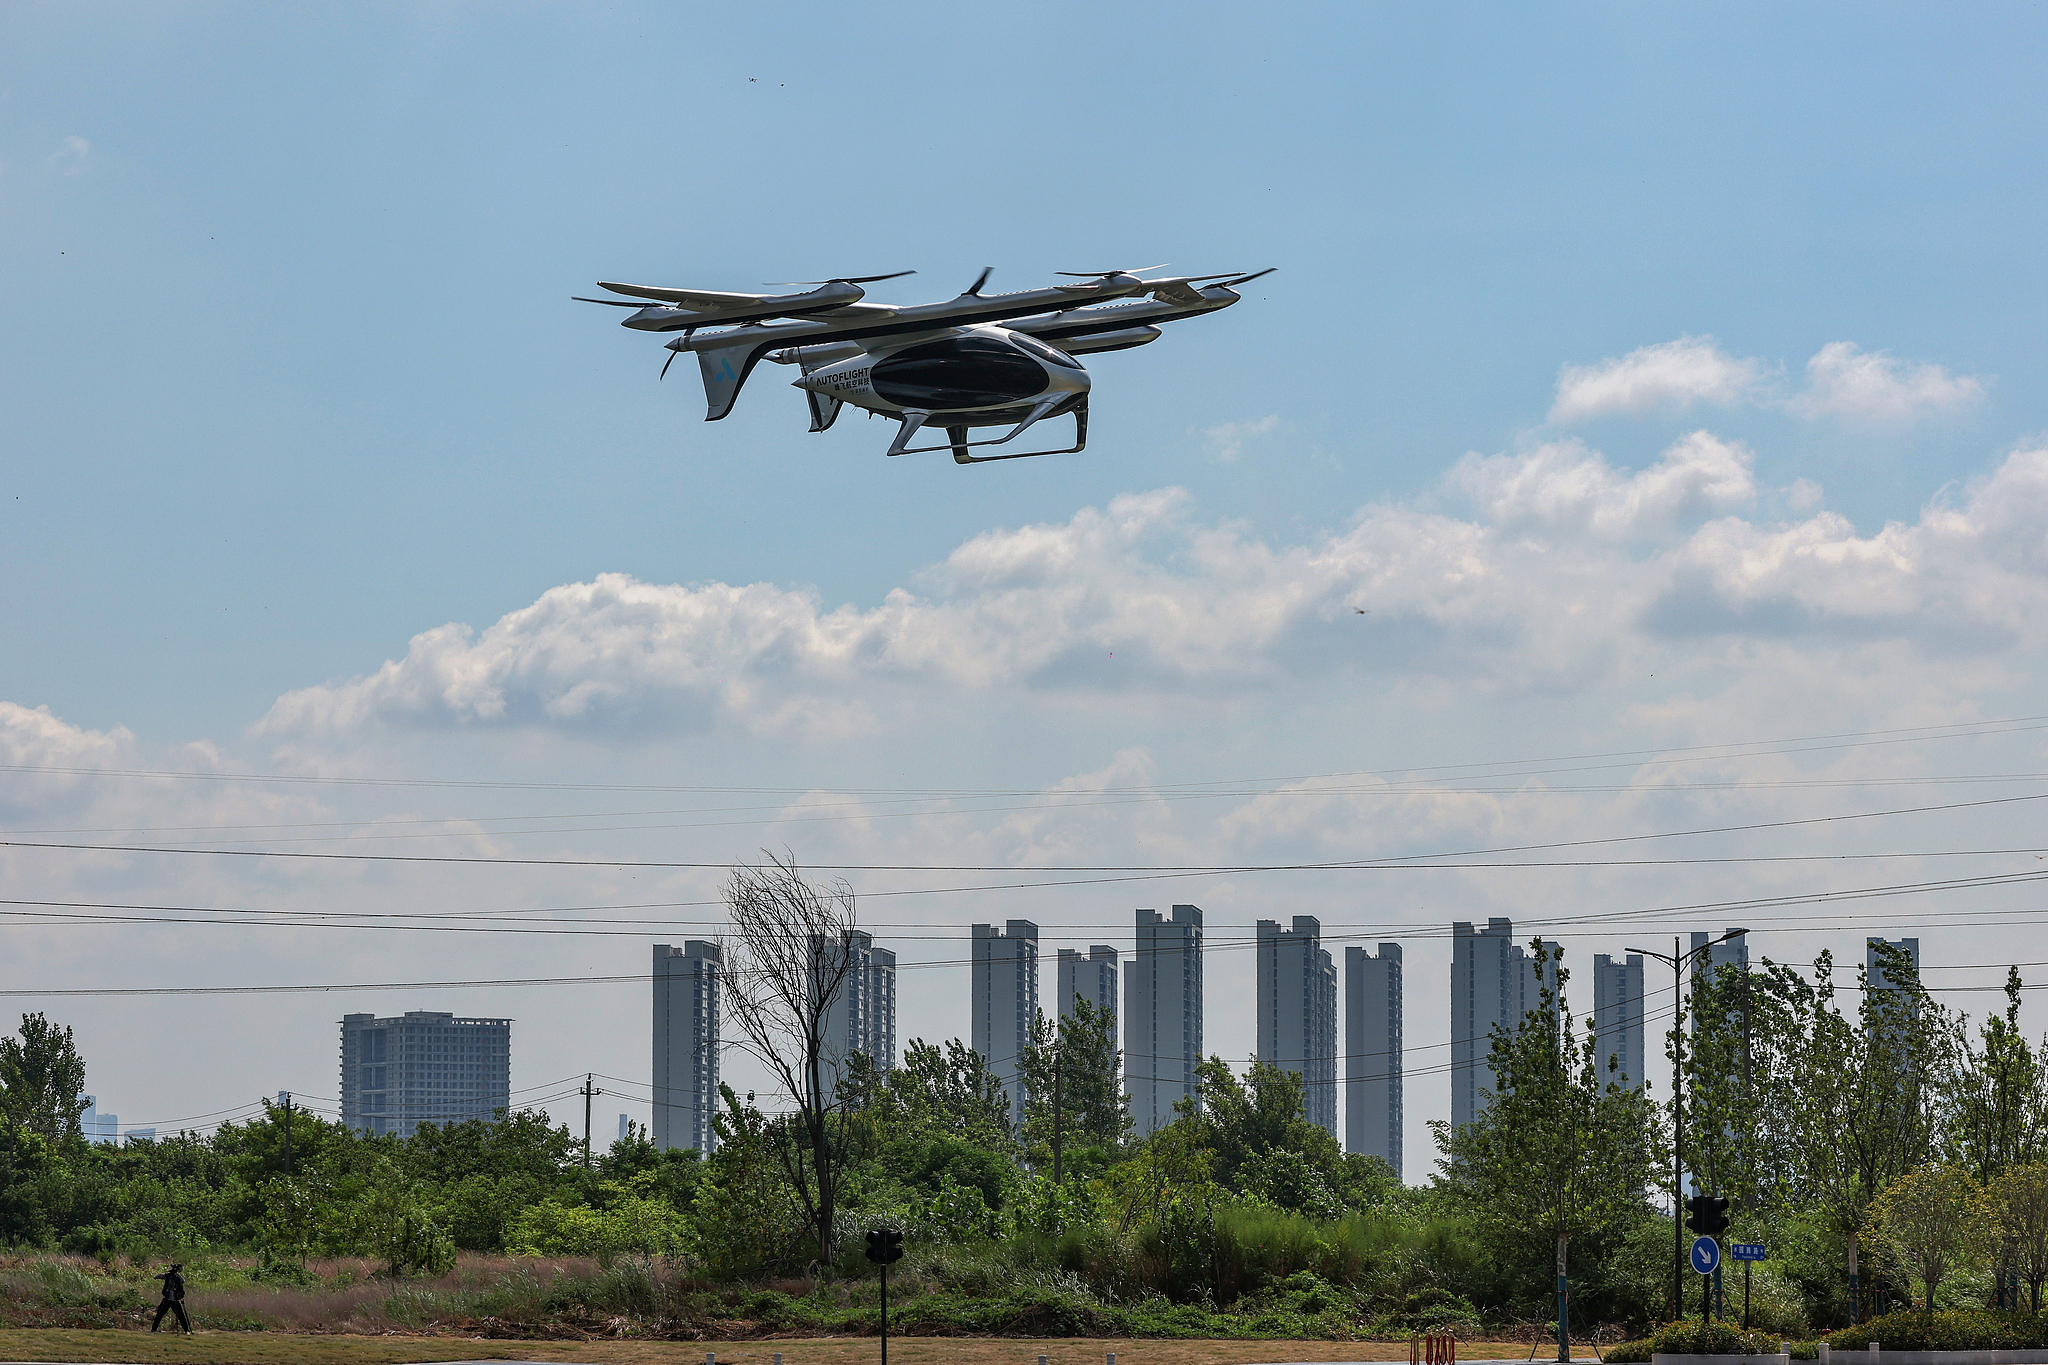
(725, 370)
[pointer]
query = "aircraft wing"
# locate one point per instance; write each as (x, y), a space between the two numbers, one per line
(696, 300)
(677, 309)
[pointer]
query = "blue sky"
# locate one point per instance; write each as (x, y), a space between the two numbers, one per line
(291, 376)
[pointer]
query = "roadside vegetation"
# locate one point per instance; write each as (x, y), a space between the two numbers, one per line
(1893, 1132)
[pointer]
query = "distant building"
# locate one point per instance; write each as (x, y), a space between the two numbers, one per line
(625, 1127)
(862, 1015)
(1372, 1053)
(1004, 1001)
(1163, 1015)
(139, 1135)
(1728, 952)
(96, 1127)
(1493, 985)
(1875, 971)
(1092, 978)
(422, 1067)
(1878, 979)
(1297, 1005)
(689, 990)
(1618, 1018)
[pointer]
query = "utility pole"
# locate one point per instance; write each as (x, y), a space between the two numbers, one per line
(284, 1097)
(1678, 961)
(1058, 1114)
(589, 1092)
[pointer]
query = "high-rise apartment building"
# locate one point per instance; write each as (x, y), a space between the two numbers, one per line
(1297, 1005)
(862, 1014)
(1163, 1015)
(1874, 970)
(688, 989)
(423, 1067)
(1728, 952)
(1618, 1019)
(1372, 1053)
(104, 1129)
(1879, 979)
(1092, 978)
(1004, 999)
(1493, 985)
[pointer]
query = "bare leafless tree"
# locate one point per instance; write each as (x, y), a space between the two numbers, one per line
(786, 962)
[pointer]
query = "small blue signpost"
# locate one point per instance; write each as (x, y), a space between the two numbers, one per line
(1706, 1255)
(1746, 1252)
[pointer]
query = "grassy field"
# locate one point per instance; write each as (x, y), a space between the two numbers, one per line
(292, 1348)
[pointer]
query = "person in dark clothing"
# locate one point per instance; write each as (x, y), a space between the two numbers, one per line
(174, 1299)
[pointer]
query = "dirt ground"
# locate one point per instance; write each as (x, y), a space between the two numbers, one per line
(280, 1348)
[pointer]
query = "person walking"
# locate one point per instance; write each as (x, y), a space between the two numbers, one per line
(174, 1299)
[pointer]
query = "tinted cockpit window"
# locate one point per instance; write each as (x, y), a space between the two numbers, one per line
(1045, 352)
(959, 372)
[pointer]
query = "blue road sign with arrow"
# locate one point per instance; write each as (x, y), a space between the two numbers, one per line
(1706, 1255)
(1747, 1251)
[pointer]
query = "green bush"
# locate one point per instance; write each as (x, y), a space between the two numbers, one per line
(1962, 1329)
(1694, 1339)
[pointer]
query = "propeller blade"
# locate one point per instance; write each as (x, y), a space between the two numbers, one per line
(666, 363)
(841, 279)
(1098, 274)
(615, 303)
(979, 281)
(1245, 279)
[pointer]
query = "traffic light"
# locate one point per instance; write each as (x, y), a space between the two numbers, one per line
(886, 1245)
(1708, 1214)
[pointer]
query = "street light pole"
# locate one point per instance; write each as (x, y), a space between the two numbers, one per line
(1678, 961)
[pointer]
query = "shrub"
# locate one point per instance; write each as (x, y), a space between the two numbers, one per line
(1982, 1329)
(1693, 1339)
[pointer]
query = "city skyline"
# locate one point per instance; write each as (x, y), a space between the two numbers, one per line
(1371, 1119)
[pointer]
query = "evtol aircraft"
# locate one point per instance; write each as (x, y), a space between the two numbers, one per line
(980, 360)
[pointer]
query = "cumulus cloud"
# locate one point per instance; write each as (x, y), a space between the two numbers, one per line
(1567, 487)
(1228, 438)
(1844, 381)
(1567, 567)
(1671, 375)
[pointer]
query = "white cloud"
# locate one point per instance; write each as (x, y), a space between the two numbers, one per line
(1844, 381)
(1669, 375)
(1570, 571)
(1566, 486)
(1229, 438)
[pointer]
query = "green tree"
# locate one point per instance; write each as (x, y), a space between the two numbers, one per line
(42, 1080)
(1997, 1103)
(1932, 1222)
(1560, 1151)
(1239, 1120)
(947, 1089)
(32, 1186)
(1741, 1079)
(1080, 1052)
(748, 1219)
(2018, 1199)
(1862, 1112)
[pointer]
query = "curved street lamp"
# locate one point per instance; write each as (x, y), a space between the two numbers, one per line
(1678, 961)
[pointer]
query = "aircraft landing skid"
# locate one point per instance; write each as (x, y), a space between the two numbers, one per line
(960, 445)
